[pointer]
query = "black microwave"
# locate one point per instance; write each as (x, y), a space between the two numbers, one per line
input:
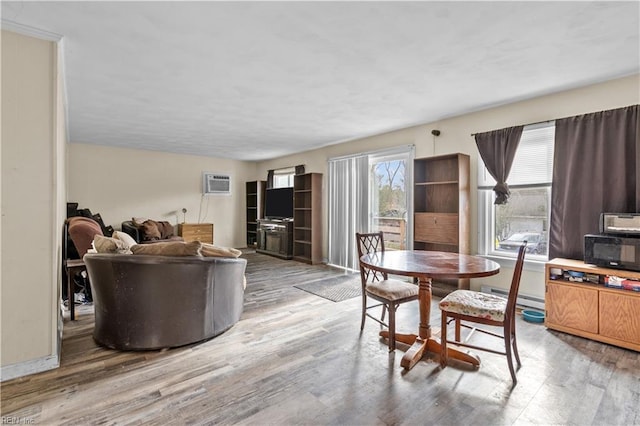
(612, 251)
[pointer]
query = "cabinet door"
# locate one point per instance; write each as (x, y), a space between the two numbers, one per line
(572, 307)
(619, 316)
(436, 228)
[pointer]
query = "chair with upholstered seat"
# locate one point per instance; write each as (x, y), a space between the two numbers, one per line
(480, 308)
(82, 231)
(390, 293)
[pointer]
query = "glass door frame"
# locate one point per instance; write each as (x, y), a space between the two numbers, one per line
(376, 158)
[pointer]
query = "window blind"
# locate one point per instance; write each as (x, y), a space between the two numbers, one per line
(533, 163)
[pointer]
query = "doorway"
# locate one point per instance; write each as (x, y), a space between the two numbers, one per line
(389, 196)
(369, 192)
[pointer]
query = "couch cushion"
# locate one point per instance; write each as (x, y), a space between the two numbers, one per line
(149, 231)
(110, 245)
(475, 304)
(170, 248)
(138, 221)
(392, 289)
(125, 238)
(165, 228)
(152, 230)
(209, 250)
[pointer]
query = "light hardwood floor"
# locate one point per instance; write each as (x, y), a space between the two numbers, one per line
(295, 358)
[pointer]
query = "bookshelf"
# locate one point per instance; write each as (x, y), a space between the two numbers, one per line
(441, 209)
(254, 208)
(307, 217)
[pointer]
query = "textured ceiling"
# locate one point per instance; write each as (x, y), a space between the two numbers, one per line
(258, 80)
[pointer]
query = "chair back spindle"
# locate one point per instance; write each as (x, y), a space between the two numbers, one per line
(370, 243)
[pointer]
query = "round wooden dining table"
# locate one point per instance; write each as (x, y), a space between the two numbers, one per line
(425, 266)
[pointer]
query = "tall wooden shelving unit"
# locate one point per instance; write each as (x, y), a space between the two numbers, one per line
(307, 218)
(441, 209)
(255, 209)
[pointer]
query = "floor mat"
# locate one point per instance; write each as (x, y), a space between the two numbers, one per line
(335, 289)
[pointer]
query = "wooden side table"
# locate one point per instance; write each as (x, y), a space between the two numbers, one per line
(202, 232)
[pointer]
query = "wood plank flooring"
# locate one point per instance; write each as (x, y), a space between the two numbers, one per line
(295, 358)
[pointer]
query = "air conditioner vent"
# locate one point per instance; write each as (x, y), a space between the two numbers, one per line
(216, 183)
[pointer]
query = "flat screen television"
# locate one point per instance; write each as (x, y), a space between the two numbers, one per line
(278, 203)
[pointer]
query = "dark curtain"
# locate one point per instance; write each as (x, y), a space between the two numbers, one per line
(497, 149)
(596, 169)
(270, 179)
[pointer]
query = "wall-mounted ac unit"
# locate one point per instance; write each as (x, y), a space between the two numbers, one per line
(216, 183)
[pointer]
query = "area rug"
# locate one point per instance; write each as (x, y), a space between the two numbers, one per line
(335, 289)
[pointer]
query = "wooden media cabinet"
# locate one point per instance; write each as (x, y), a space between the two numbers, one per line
(594, 311)
(275, 237)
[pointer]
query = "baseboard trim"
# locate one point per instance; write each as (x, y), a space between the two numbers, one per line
(33, 366)
(522, 300)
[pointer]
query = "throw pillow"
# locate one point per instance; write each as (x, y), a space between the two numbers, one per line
(165, 228)
(150, 231)
(109, 245)
(138, 221)
(171, 248)
(125, 238)
(209, 250)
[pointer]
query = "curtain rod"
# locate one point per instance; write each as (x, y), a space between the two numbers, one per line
(530, 124)
(555, 119)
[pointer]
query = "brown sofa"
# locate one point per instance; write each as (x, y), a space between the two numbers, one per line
(150, 302)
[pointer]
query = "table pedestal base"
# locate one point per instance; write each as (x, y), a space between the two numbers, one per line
(430, 344)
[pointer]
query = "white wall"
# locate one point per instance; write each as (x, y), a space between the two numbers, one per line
(122, 183)
(32, 195)
(456, 137)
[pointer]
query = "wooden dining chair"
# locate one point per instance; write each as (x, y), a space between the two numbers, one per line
(390, 293)
(480, 308)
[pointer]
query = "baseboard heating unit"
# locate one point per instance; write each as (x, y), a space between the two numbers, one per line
(523, 299)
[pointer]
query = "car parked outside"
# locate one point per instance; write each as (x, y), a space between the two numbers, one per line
(536, 243)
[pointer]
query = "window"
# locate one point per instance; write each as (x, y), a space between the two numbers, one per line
(503, 228)
(283, 178)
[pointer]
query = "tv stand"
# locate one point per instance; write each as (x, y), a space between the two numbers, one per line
(591, 310)
(275, 237)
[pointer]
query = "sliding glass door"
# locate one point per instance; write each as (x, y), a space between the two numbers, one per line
(389, 198)
(369, 192)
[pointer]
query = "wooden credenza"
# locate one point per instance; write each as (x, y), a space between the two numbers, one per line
(202, 232)
(591, 310)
